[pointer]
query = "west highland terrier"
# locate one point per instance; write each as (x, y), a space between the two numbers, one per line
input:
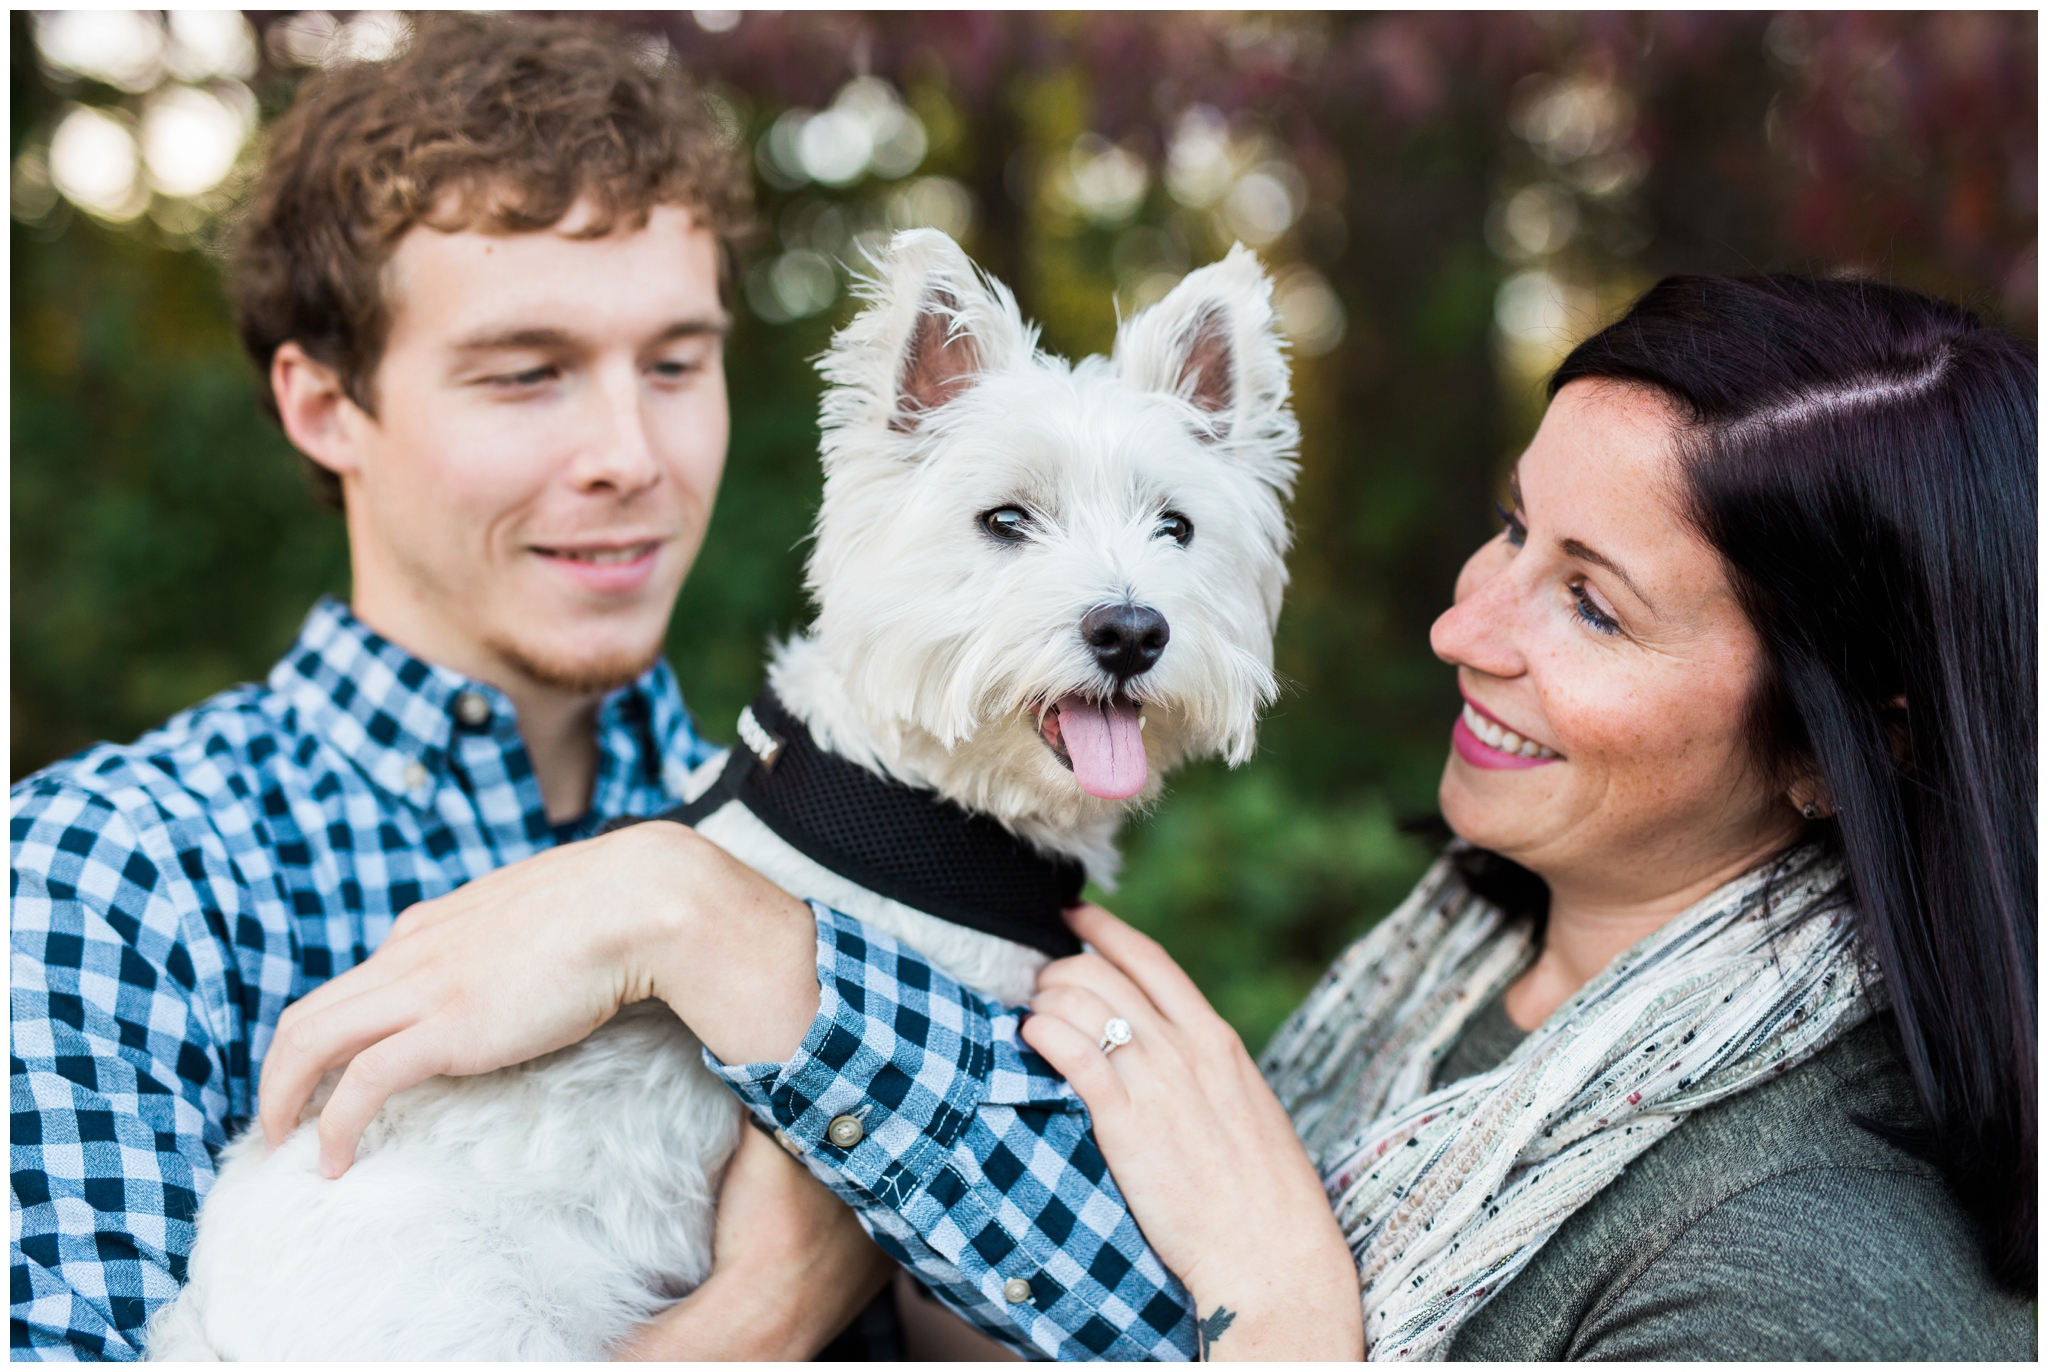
(1039, 588)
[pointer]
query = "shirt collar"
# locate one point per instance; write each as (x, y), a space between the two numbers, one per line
(396, 716)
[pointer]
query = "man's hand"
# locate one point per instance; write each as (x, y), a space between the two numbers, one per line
(532, 957)
(791, 1267)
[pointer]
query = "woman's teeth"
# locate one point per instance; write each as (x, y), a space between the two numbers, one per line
(1507, 740)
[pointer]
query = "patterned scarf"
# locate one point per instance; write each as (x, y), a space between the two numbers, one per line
(1445, 1195)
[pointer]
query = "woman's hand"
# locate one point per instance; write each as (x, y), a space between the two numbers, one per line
(532, 957)
(1201, 1149)
(791, 1267)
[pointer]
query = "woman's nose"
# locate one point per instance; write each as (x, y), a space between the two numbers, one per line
(1479, 630)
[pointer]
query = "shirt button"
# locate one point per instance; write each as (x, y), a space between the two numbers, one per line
(415, 776)
(845, 1131)
(1016, 1290)
(472, 709)
(789, 1145)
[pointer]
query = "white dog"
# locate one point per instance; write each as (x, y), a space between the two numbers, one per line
(1039, 587)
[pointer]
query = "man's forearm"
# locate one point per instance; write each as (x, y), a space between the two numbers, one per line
(727, 1319)
(730, 952)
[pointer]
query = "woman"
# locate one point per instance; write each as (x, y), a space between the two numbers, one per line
(1712, 1035)
(1760, 628)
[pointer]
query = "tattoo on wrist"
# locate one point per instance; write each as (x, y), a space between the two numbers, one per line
(1212, 1327)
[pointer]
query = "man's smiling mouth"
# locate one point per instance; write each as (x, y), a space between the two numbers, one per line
(607, 555)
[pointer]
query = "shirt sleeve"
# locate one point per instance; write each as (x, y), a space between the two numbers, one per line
(115, 1082)
(967, 1157)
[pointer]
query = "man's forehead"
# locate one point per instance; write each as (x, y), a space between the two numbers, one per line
(663, 274)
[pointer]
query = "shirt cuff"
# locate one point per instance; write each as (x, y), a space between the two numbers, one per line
(891, 1072)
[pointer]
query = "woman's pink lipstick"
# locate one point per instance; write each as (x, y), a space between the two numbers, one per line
(1477, 751)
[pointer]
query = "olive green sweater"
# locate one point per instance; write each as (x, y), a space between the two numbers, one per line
(1770, 1226)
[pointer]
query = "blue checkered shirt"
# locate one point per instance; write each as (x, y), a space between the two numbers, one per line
(973, 1166)
(173, 895)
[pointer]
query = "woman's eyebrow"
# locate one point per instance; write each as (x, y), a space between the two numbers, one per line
(1573, 548)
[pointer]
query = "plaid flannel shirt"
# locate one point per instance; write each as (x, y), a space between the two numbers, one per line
(973, 1165)
(172, 896)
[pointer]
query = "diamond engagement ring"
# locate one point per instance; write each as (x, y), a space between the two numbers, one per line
(1115, 1035)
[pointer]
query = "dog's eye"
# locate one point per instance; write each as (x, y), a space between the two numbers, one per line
(1009, 523)
(1176, 526)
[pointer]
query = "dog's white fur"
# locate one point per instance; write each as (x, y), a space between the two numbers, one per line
(545, 1210)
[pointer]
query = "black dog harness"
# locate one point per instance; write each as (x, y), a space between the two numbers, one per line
(898, 841)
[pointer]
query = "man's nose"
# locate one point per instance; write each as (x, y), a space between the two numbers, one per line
(620, 455)
(1126, 639)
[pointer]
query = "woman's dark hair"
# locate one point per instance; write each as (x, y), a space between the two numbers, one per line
(1863, 458)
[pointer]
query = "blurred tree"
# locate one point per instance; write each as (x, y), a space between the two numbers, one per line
(1448, 200)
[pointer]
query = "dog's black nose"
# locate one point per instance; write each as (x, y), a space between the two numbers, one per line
(1126, 639)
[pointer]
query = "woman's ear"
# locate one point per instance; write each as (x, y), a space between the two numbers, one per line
(1809, 796)
(315, 409)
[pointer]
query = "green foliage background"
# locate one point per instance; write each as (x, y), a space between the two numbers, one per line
(164, 545)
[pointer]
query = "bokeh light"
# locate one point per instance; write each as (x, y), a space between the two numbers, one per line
(209, 43)
(865, 129)
(1310, 312)
(190, 138)
(123, 48)
(185, 115)
(94, 163)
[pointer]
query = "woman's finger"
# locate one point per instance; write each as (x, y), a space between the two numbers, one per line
(1078, 1006)
(1150, 967)
(1106, 980)
(1078, 1058)
(316, 1041)
(378, 1073)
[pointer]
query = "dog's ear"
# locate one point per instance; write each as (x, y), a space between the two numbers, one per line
(932, 325)
(1214, 341)
(940, 360)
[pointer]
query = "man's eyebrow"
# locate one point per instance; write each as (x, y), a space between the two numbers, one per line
(512, 338)
(504, 340)
(1573, 548)
(695, 328)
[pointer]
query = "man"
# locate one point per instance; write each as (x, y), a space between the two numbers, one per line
(484, 282)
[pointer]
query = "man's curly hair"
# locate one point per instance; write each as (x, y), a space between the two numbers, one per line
(494, 124)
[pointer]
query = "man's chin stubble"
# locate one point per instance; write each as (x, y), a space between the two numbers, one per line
(578, 676)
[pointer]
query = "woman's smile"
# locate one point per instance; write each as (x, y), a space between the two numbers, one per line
(1484, 741)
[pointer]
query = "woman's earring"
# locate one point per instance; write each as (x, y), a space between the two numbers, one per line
(1810, 810)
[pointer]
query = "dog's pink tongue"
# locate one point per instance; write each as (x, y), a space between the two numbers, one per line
(1105, 746)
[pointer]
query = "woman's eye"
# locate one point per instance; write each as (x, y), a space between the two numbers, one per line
(1517, 531)
(1597, 619)
(1176, 526)
(1009, 523)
